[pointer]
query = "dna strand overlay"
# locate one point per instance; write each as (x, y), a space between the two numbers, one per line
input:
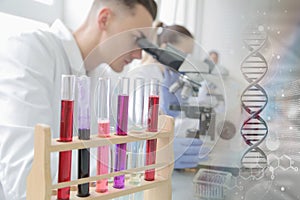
(254, 99)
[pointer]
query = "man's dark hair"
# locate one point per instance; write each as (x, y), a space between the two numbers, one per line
(150, 5)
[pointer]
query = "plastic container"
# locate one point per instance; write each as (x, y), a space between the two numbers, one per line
(211, 184)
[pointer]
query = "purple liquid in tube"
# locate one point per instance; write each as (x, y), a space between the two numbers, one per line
(120, 165)
(122, 120)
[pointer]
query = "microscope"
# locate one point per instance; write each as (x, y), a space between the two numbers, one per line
(180, 62)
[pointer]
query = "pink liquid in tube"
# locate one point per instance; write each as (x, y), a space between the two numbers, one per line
(103, 156)
(103, 131)
(102, 168)
(103, 128)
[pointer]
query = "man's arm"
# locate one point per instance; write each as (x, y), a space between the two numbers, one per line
(25, 100)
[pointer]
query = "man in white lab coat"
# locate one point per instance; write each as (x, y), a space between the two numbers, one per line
(31, 66)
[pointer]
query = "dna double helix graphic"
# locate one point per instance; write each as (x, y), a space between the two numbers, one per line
(254, 99)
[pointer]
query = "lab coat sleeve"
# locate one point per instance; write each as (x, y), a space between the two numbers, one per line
(25, 94)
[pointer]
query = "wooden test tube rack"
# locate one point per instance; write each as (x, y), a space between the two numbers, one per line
(39, 182)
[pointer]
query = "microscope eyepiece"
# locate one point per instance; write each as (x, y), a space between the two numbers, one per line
(164, 56)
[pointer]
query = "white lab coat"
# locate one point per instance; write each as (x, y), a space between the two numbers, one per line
(147, 71)
(31, 66)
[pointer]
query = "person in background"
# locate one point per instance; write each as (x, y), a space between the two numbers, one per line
(180, 38)
(214, 56)
(211, 86)
(186, 150)
(31, 66)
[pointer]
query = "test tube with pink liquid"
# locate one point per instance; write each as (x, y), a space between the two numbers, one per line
(103, 131)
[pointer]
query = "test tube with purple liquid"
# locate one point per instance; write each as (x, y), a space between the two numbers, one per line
(122, 121)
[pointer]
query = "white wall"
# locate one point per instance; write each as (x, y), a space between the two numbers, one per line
(34, 9)
(225, 21)
(182, 12)
(221, 32)
(15, 25)
(75, 12)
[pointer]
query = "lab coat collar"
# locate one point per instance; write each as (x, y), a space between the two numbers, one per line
(71, 48)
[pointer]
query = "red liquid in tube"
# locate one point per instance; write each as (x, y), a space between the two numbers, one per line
(65, 157)
(151, 144)
(153, 113)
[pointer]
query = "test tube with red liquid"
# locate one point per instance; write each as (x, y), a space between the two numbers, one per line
(103, 131)
(66, 132)
(83, 102)
(122, 123)
(153, 107)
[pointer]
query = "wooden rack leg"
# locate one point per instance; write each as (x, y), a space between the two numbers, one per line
(39, 179)
(164, 153)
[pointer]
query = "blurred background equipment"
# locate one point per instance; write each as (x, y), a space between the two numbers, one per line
(211, 184)
(226, 129)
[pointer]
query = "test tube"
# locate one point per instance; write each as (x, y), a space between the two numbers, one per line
(122, 121)
(66, 133)
(103, 131)
(153, 108)
(83, 114)
(138, 106)
(136, 148)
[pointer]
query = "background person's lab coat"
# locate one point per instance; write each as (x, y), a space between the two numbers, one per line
(30, 76)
